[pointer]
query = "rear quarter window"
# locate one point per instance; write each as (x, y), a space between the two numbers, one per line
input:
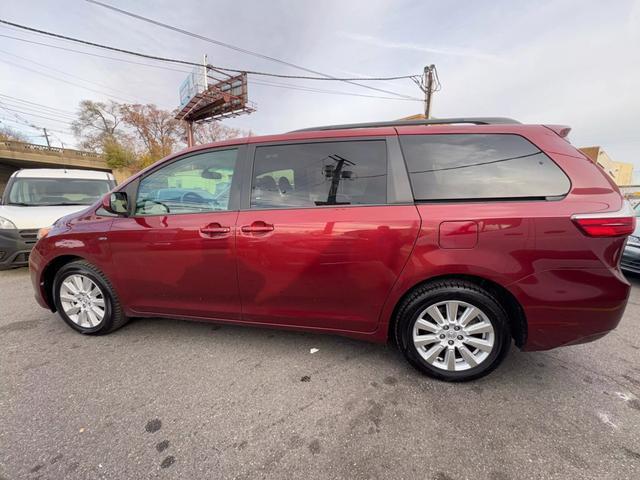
(480, 166)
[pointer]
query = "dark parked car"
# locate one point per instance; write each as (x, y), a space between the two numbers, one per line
(631, 255)
(453, 237)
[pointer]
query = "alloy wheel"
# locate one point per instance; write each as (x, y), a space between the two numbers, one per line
(453, 335)
(82, 301)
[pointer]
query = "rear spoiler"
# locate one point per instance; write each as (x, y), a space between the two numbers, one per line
(561, 130)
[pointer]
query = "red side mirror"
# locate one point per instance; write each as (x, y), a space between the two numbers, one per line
(115, 202)
(106, 202)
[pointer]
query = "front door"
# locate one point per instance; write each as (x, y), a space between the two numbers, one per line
(176, 254)
(319, 247)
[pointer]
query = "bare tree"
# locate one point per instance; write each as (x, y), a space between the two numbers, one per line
(135, 135)
(7, 133)
(216, 132)
(156, 130)
(96, 124)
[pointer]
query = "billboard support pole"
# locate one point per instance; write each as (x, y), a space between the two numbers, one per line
(190, 134)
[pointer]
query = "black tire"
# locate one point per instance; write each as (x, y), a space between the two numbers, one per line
(459, 290)
(114, 317)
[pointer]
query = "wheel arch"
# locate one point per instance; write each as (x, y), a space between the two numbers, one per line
(49, 274)
(515, 312)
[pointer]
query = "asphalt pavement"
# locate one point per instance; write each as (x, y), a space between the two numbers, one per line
(172, 399)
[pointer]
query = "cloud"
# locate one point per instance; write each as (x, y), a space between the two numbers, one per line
(451, 51)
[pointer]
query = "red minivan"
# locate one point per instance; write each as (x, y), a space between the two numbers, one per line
(451, 237)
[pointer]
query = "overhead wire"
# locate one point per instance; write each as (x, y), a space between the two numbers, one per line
(28, 123)
(34, 114)
(240, 49)
(65, 81)
(39, 105)
(322, 76)
(259, 82)
(28, 110)
(324, 91)
(62, 114)
(62, 72)
(59, 47)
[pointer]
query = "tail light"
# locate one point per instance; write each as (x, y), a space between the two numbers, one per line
(607, 224)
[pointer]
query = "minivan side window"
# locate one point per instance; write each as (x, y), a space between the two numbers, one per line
(480, 166)
(317, 174)
(197, 183)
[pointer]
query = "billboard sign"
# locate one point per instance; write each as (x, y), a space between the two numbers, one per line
(195, 83)
(225, 98)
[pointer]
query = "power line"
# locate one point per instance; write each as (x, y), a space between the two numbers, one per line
(217, 68)
(290, 86)
(14, 112)
(36, 127)
(238, 49)
(163, 67)
(305, 88)
(98, 45)
(20, 129)
(17, 117)
(259, 82)
(35, 110)
(329, 92)
(62, 72)
(25, 122)
(34, 114)
(39, 105)
(65, 81)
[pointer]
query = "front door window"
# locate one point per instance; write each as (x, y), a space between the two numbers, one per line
(195, 184)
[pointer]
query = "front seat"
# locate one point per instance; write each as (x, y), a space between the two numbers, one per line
(284, 185)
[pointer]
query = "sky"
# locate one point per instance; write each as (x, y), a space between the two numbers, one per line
(574, 63)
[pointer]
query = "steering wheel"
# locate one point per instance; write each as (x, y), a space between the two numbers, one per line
(192, 197)
(142, 204)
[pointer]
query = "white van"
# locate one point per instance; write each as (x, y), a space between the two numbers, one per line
(35, 198)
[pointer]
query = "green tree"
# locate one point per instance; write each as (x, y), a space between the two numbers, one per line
(119, 155)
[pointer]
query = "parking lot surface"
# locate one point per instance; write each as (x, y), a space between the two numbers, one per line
(173, 399)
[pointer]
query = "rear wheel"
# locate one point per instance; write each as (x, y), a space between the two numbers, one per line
(453, 330)
(86, 300)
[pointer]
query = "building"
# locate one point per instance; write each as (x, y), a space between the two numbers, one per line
(622, 173)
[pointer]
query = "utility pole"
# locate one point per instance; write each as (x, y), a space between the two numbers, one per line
(428, 90)
(47, 137)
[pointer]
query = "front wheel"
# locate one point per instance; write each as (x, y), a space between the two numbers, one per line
(86, 300)
(453, 331)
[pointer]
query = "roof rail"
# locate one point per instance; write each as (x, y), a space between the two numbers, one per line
(405, 123)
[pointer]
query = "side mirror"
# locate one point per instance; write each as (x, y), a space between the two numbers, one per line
(116, 202)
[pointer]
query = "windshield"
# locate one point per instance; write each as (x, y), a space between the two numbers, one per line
(56, 191)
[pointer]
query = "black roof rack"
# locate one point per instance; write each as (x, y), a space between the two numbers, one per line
(404, 123)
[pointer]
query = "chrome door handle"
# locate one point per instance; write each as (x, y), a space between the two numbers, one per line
(257, 227)
(214, 229)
